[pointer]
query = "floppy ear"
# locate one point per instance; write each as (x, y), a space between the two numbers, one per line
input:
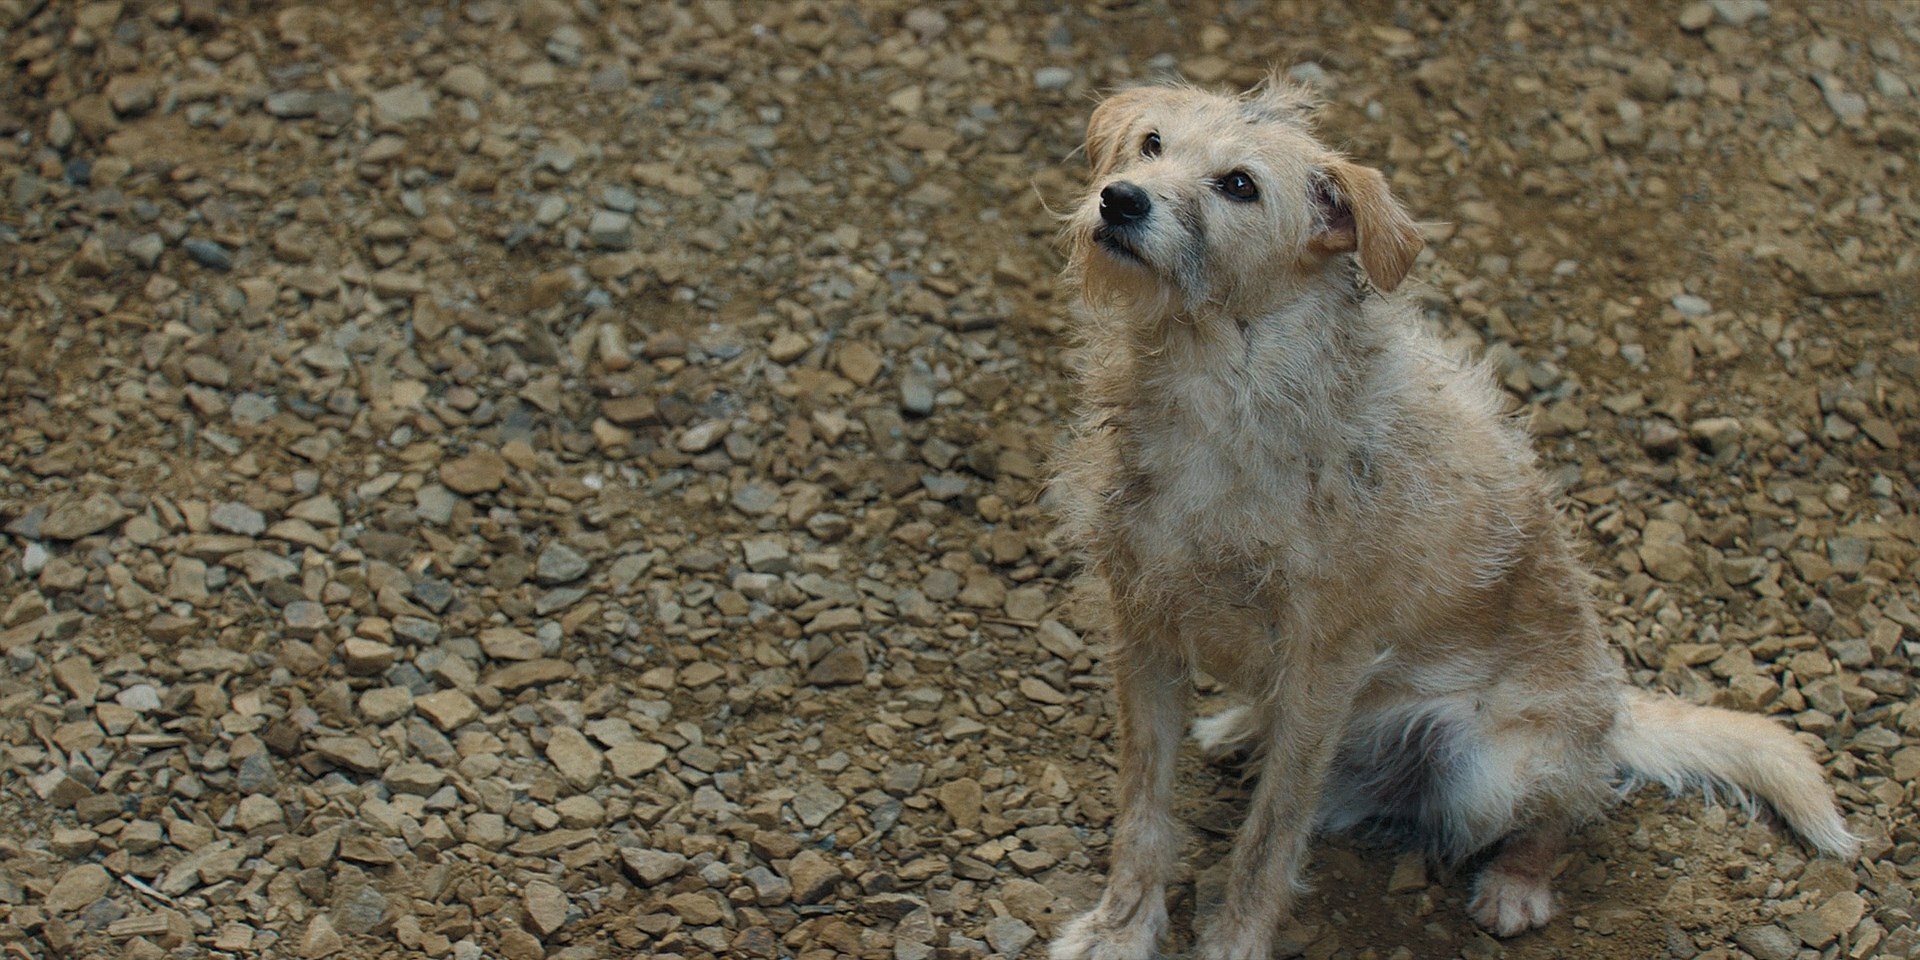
(1358, 214)
(1107, 129)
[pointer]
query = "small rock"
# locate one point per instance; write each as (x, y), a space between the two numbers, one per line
(652, 867)
(546, 907)
(695, 909)
(1767, 942)
(844, 664)
(321, 939)
(352, 753)
(208, 254)
(305, 618)
(815, 802)
(814, 877)
(1821, 926)
(447, 709)
(1691, 306)
(402, 105)
(1717, 434)
(962, 800)
(610, 230)
(481, 471)
(559, 563)
(702, 436)
(1009, 935)
(506, 643)
(577, 760)
(238, 518)
(631, 760)
(361, 913)
(85, 518)
(77, 888)
(1739, 13)
(1052, 78)
(916, 392)
(1409, 874)
(366, 658)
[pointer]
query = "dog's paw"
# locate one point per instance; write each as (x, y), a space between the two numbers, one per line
(1223, 735)
(1510, 903)
(1094, 936)
(1224, 939)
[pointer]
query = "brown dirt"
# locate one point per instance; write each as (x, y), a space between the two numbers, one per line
(396, 392)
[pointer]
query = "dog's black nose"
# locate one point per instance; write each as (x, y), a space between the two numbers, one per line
(1123, 203)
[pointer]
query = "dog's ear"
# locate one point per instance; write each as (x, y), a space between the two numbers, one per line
(1108, 128)
(1357, 213)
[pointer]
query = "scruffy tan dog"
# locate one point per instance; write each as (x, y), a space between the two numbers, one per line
(1283, 480)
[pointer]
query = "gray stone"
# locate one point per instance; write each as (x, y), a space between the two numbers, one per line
(546, 906)
(360, 913)
(1767, 942)
(610, 230)
(652, 867)
(559, 563)
(815, 802)
(208, 253)
(402, 105)
(77, 888)
(1009, 935)
(1052, 78)
(87, 517)
(916, 392)
(238, 518)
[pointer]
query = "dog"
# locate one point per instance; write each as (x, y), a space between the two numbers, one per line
(1281, 479)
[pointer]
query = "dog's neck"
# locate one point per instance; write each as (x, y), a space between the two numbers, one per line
(1314, 362)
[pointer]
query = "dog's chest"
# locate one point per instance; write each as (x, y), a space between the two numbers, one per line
(1222, 490)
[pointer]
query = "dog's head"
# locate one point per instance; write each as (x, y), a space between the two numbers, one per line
(1201, 199)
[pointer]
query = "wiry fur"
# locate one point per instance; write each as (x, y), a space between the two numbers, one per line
(1281, 479)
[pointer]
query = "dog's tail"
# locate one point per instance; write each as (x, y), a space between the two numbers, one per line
(1678, 744)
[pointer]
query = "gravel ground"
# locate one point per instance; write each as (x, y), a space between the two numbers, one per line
(565, 478)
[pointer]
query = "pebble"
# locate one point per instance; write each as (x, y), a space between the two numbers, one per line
(546, 908)
(361, 913)
(447, 709)
(1052, 78)
(1818, 927)
(208, 254)
(481, 471)
(652, 867)
(321, 939)
(578, 762)
(559, 563)
(1010, 935)
(916, 393)
(87, 517)
(78, 887)
(813, 876)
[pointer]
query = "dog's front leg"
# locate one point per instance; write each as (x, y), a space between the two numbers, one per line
(1301, 724)
(1150, 689)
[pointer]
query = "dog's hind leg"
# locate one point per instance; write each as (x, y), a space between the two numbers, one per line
(1514, 891)
(1150, 688)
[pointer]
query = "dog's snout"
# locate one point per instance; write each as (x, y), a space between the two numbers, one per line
(1124, 203)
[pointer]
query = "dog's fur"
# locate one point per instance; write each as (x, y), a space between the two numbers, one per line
(1282, 480)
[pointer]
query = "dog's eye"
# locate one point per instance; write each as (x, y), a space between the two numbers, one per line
(1238, 186)
(1150, 147)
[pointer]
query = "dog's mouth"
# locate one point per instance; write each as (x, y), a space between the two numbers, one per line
(1115, 242)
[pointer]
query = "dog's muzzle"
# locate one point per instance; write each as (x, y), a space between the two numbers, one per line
(1123, 210)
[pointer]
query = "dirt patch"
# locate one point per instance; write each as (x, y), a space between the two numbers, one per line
(567, 479)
